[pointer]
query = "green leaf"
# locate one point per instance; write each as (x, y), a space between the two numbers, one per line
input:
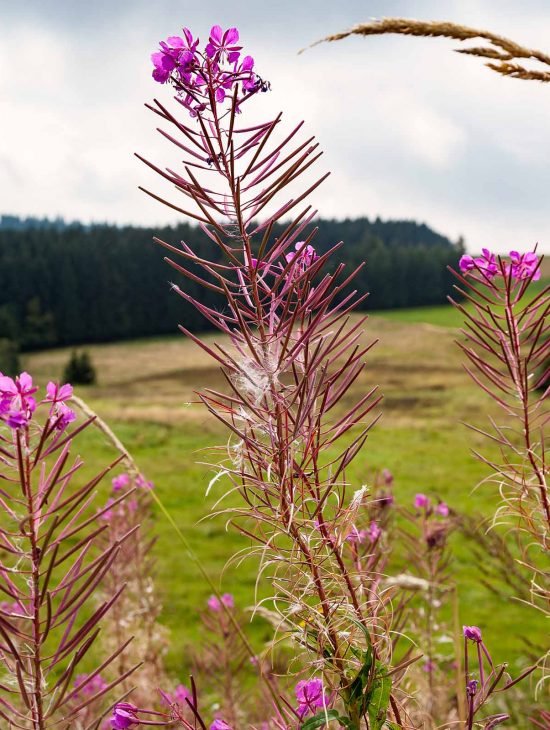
(320, 720)
(379, 701)
(363, 629)
(359, 685)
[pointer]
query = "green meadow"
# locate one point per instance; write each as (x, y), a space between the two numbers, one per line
(146, 392)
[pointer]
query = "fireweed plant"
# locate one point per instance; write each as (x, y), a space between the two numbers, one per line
(507, 346)
(52, 561)
(291, 362)
(294, 353)
(136, 612)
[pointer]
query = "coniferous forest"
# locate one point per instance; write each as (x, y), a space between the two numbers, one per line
(64, 284)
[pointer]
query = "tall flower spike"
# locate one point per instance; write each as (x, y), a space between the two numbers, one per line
(291, 359)
(506, 344)
(52, 563)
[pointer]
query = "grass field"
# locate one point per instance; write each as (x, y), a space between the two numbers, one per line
(146, 392)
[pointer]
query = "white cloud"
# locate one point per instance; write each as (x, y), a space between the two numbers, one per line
(409, 128)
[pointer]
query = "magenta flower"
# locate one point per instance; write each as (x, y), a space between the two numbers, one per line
(222, 44)
(142, 483)
(108, 514)
(20, 388)
(356, 537)
(12, 609)
(121, 482)
(442, 509)
(228, 600)
(56, 392)
(472, 633)
(63, 415)
(311, 696)
(387, 476)
(181, 694)
(16, 419)
(86, 686)
(524, 266)
(385, 499)
(471, 687)
(164, 65)
(215, 71)
(373, 532)
(176, 52)
(249, 79)
(486, 264)
(306, 254)
(5, 402)
(220, 725)
(124, 716)
(215, 604)
(421, 501)
(16, 399)
(466, 263)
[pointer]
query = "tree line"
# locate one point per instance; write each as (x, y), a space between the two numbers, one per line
(65, 284)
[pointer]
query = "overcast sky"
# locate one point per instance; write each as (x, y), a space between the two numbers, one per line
(409, 128)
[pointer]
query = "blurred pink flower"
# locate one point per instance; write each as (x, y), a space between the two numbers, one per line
(214, 603)
(120, 482)
(373, 532)
(220, 725)
(473, 633)
(421, 501)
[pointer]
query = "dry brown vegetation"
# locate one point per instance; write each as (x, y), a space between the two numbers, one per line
(505, 56)
(417, 367)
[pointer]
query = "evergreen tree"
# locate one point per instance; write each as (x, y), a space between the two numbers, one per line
(80, 370)
(9, 358)
(69, 284)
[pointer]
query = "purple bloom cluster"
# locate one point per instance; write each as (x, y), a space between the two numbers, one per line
(215, 603)
(311, 697)
(297, 261)
(305, 254)
(180, 696)
(18, 404)
(88, 686)
(205, 79)
(422, 501)
(120, 483)
(14, 609)
(523, 266)
(520, 267)
(358, 537)
(124, 481)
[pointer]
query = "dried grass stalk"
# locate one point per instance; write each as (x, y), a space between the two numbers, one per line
(503, 52)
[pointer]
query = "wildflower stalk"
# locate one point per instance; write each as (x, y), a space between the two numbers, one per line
(133, 468)
(291, 360)
(505, 345)
(52, 559)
